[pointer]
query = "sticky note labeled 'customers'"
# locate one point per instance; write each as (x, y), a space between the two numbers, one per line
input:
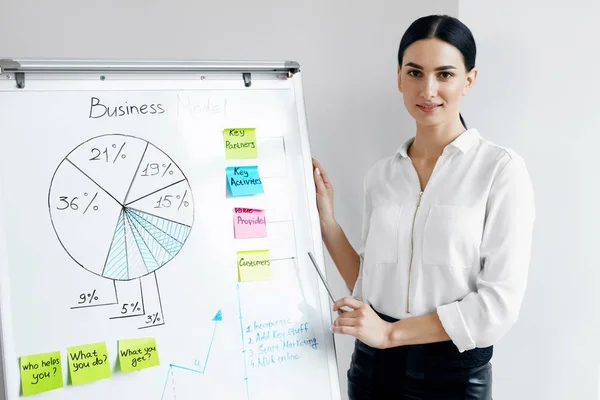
(249, 223)
(244, 181)
(40, 373)
(137, 354)
(254, 265)
(88, 363)
(240, 143)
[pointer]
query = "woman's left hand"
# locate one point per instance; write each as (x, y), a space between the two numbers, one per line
(362, 322)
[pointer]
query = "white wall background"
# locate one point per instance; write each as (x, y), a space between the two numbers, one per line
(347, 50)
(538, 92)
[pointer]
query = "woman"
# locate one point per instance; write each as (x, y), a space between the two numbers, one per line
(446, 238)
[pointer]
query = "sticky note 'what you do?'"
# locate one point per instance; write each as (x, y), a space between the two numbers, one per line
(88, 363)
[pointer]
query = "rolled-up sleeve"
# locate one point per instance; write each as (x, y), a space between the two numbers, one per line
(357, 293)
(482, 317)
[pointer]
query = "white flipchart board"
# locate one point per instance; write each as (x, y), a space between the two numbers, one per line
(83, 129)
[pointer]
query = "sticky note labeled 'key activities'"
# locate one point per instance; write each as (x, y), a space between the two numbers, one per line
(249, 223)
(244, 181)
(137, 354)
(88, 363)
(41, 373)
(240, 143)
(254, 265)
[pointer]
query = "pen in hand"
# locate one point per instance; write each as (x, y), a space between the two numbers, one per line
(322, 277)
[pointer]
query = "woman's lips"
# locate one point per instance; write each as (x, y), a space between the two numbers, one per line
(429, 108)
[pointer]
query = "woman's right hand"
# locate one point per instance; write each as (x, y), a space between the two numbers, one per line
(324, 190)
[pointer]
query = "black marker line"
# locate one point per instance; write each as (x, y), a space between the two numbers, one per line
(105, 191)
(159, 299)
(142, 292)
(149, 234)
(93, 305)
(125, 237)
(116, 293)
(151, 326)
(127, 316)
(136, 172)
(113, 240)
(133, 215)
(156, 191)
(149, 251)
(159, 217)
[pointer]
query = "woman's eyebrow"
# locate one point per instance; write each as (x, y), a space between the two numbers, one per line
(417, 66)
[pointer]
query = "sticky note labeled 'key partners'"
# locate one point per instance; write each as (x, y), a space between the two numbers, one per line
(254, 265)
(41, 373)
(137, 354)
(249, 223)
(88, 363)
(240, 143)
(244, 181)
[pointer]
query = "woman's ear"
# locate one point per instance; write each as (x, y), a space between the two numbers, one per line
(470, 81)
(399, 73)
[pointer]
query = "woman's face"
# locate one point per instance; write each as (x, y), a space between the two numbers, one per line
(432, 80)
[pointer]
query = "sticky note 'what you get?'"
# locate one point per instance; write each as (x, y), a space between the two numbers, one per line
(137, 354)
(244, 181)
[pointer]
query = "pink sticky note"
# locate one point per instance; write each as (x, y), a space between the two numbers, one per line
(249, 223)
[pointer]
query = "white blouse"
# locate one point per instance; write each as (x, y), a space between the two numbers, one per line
(461, 247)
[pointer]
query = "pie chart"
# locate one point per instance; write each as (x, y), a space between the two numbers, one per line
(120, 207)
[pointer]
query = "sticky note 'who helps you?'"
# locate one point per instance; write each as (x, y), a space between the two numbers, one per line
(41, 373)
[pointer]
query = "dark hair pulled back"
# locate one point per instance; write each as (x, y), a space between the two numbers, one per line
(445, 28)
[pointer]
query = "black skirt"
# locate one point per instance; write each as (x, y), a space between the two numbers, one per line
(435, 371)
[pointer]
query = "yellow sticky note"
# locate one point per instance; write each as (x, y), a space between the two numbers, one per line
(137, 354)
(240, 143)
(88, 363)
(254, 265)
(41, 373)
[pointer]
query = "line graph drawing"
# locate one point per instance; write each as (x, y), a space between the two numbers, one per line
(199, 367)
(121, 208)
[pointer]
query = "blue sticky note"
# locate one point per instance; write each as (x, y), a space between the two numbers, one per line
(244, 181)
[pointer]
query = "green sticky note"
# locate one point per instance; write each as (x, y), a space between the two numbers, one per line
(88, 363)
(41, 373)
(254, 265)
(137, 354)
(240, 143)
